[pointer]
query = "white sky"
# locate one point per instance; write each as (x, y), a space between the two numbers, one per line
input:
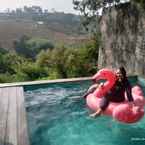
(58, 5)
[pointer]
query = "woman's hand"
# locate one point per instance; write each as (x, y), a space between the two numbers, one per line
(93, 115)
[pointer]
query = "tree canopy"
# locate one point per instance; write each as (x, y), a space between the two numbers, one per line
(30, 47)
(92, 9)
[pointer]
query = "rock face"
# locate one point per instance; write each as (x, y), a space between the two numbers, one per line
(123, 39)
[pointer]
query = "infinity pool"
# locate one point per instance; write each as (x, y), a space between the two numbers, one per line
(57, 116)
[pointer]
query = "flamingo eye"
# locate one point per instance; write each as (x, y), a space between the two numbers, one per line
(103, 73)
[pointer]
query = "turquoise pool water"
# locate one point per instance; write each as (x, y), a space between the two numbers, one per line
(56, 116)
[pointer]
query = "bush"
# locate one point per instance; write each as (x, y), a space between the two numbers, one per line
(30, 48)
(6, 78)
(61, 62)
(32, 72)
(70, 62)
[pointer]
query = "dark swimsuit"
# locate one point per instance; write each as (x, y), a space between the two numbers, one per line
(116, 94)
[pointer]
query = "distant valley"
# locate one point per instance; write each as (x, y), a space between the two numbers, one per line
(33, 22)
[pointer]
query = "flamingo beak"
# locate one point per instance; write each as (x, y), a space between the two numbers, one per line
(97, 77)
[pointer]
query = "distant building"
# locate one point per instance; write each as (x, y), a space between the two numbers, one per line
(40, 22)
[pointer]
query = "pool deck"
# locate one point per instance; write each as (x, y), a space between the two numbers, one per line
(13, 124)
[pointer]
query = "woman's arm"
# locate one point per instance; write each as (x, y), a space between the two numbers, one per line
(91, 90)
(128, 91)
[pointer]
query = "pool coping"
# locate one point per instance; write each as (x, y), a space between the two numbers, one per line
(44, 82)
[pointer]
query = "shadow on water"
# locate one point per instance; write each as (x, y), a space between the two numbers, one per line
(6, 143)
(129, 135)
(39, 136)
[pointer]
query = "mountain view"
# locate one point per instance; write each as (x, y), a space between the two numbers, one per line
(36, 22)
(36, 44)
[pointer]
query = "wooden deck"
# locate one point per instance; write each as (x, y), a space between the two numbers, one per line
(13, 124)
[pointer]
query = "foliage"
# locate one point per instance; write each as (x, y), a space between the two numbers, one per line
(20, 46)
(35, 45)
(70, 62)
(31, 71)
(30, 47)
(60, 62)
(5, 65)
(9, 66)
(3, 51)
(93, 9)
(54, 60)
(141, 2)
(4, 78)
(37, 58)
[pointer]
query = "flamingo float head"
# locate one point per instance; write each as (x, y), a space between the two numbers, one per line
(105, 74)
(109, 76)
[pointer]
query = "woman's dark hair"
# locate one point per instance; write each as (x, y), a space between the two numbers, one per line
(123, 71)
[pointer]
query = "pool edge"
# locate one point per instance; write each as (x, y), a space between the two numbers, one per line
(44, 82)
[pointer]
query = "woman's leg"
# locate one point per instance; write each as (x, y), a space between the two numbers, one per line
(103, 105)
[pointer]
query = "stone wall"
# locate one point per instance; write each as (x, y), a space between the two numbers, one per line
(123, 39)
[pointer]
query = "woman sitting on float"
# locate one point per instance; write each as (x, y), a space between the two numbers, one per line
(116, 90)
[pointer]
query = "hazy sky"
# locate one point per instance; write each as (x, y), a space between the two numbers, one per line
(58, 5)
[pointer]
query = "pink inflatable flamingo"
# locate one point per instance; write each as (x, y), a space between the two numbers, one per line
(124, 111)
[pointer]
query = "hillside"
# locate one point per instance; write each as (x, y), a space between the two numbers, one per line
(46, 46)
(57, 27)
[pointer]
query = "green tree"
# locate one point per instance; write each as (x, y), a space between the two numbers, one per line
(13, 61)
(35, 45)
(29, 71)
(54, 61)
(6, 63)
(71, 61)
(81, 61)
(6, 78)
(92, 9)
(20, 46)
(31, 47)
(3, 51)
(141, 2)
(10, 64)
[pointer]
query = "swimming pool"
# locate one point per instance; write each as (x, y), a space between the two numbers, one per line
(56, 116)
